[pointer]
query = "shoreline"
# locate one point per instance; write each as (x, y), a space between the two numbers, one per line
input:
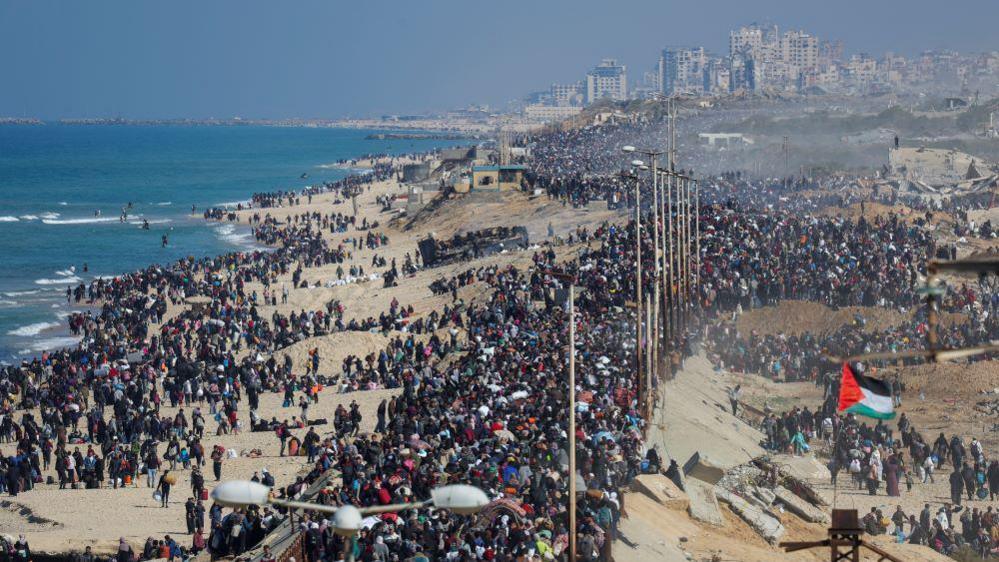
(430, 124)
(56, 335)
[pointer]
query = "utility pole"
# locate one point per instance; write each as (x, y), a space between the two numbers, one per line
(652, 327)
(697, 239)
(786, 148)
(638, 281)
(684, 254)
(572, 420)
(571, 281)
(640, 298)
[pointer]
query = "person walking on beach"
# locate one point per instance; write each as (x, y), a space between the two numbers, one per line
(282, 434)
(303, 404)
(152, 465)
(189, 515)
(217, 454)
(956, 485)
(124, 551)
(380, 426)
(733, 397)
(164, 488)
(197, 482)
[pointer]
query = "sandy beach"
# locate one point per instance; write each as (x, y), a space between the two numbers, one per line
(61, 520)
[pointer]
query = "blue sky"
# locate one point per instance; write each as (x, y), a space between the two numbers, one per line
(311, 58)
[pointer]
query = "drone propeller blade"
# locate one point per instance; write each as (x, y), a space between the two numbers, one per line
(881, 355)
(952, 354)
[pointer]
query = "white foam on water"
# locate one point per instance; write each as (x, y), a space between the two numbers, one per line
(9, 218)
(32, 329)
(29, 217)
(155, 221)
(63, 203)
(245, 203)
(69, 280)
(164, 203)
(22, 293)
(228, 233)
(46, 344)
(49, 216)
(66, 272)
(90, 220)
(4, 302)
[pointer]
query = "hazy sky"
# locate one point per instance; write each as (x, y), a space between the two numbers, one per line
(304, 58)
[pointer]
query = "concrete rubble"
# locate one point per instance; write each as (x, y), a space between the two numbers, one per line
(757, 496)
(765, 525)
(662, 490)
(800, 507)
(704, 503)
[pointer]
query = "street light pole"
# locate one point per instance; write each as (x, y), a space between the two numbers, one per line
(697, 239)
(346, 521)
(571, 281)
(682, 289)
(644, 378)
(638, 281)
(572, 421)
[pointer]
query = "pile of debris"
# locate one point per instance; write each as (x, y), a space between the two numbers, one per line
(990, 407)
(760, 492)
(472, 245)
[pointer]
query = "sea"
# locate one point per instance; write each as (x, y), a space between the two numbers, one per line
(63, 187)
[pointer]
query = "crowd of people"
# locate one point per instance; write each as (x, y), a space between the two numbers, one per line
(482, 389)
(893, 460)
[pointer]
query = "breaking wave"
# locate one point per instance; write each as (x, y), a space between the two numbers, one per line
(32, 329)
(90, 220)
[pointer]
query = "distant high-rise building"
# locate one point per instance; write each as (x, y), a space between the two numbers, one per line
(608, 80)
(742, 74)
(567, 94)
(830, 52)
(680, 69)
(799, 49)
(715, 76)
(745, 41)
(753, 41)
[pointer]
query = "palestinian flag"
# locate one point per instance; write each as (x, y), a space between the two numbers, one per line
(865, 396)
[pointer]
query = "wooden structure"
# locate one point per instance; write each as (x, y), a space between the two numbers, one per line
(844, 540)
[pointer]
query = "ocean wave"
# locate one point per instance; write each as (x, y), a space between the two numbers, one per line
(14, 294)
(242, 238)
(29, 217)
(68, 280)
(49, 216)
(245, 203)
(63, 203)
(66, 272)
(9, 218)
(343, 166)
(80, 221)
(4, 302)
(47, 344)
(164, 203)
(156, 221)
(32, 329)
